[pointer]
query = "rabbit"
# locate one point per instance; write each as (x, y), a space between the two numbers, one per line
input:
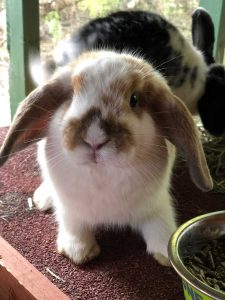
(109, 126)
(211, 105)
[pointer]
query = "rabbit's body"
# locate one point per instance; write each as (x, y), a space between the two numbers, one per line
(110, 194)
(113, 188)
(113, 193)
(151, 36)
(111, 124)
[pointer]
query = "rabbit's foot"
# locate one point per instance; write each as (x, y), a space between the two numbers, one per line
(162, 260)
(42, 199)
(79, 251)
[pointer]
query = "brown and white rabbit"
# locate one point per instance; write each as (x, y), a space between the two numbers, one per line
(110, 125)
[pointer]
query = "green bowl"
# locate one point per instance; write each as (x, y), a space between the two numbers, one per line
(190, 234)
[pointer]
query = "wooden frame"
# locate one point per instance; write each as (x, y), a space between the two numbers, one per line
(19, 280)
(22, 40)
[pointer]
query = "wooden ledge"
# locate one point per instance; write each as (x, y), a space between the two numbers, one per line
(19, 280)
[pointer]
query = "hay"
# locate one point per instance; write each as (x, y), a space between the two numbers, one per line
(214, 148)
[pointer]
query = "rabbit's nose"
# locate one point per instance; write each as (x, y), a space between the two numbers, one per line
(96, 146)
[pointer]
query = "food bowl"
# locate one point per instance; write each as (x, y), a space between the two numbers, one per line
(189, 239)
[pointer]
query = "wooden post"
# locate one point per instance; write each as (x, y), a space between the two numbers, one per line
(23, 38)
(19, 280)
(217, 12)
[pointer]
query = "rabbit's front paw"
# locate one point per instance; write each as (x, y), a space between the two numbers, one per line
(162, 260)
(78, 251)
(42, 199)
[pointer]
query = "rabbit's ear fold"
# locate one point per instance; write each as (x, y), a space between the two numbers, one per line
(177, 125)
(33, 114)
(203, 33)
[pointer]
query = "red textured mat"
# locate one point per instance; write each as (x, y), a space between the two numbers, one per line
(123, 271)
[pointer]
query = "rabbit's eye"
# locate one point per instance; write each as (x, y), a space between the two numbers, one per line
(133, 100)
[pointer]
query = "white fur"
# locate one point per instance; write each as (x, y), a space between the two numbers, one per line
(37, 72)
(71, 51)
(130, 188)
(41, 199)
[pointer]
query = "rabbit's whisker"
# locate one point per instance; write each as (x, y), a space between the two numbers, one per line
(167, 61)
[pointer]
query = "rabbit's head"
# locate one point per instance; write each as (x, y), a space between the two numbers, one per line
(106, 106)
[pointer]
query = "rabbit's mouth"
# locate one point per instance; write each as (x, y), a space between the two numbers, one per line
(95, 157)
(108, 156)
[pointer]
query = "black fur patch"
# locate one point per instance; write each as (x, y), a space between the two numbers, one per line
(181, 76)
(143, 33)
(212, 104)
(193, 76)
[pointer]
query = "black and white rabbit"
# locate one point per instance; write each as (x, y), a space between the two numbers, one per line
(211, 104)
(200, 87)
(110, 125)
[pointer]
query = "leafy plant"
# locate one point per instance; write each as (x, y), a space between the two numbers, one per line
(99, 8)
(52, 19)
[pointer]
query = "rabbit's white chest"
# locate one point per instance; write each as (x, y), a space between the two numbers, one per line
(104, 193)
(101, 195)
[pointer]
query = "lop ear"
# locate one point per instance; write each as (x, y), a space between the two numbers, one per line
(33, 114)
(177, 125)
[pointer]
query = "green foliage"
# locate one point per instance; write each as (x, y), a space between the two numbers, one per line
(99, 8)
(52, 19)
(179, 12)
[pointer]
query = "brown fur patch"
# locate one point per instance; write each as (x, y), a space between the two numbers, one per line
(156, 99)
(71, 137)
(118, 133)
(120, 91)
(40, 124)
(83, 57)
(78, 83)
